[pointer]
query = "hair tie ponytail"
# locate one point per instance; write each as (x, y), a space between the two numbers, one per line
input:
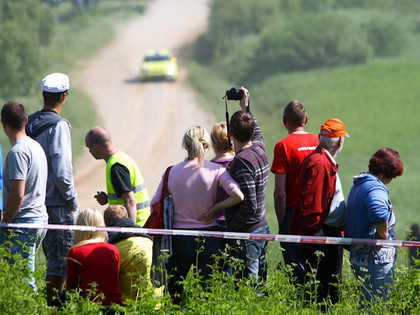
(196, 141)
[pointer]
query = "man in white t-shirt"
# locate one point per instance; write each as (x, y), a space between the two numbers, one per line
(25, 180)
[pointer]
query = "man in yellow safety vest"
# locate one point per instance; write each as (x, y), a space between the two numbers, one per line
(124, 182)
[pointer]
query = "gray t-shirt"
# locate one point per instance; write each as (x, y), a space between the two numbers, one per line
(26, 161)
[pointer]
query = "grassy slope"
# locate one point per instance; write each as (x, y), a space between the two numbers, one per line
(377, 102)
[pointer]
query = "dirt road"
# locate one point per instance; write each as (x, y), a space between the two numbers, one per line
(145, 120)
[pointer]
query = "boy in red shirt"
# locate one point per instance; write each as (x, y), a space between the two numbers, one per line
(288, 156)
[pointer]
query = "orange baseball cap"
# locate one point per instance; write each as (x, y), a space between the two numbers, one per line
(333, 128)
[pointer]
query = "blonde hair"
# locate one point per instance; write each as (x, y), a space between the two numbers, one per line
(90, 217)
(113, 213)
(196, 142)
(219, 137)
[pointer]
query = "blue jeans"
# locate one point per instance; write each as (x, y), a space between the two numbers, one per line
(291, 251)
(187, 252)
(378, 279)
(25, 242)
(252, 252)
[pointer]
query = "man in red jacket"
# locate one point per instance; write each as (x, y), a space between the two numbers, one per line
(317, 186)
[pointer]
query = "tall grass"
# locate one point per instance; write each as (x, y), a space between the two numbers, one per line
(224, 295)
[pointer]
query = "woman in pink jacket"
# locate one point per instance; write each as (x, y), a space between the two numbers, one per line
(193, 185)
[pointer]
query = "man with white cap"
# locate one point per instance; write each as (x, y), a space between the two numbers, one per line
(318, 182)
(53, 133)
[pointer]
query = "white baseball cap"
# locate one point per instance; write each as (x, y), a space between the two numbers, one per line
(55, 83)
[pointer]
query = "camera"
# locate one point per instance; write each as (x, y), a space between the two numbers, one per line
(234, 94)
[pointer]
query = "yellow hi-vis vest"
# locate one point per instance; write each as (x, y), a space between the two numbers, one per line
(139, 187)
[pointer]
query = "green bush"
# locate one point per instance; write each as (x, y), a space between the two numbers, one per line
(239, 17)
(203, 49)
(354, 49)
(231, 20)
(237, 64)
(387, 35)
(247, 40)
(310, 41)
(16, 296)
(24, 28)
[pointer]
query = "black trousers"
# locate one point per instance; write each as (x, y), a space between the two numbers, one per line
(328, 266)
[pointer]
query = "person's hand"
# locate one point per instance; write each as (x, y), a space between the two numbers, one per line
(75, 207)
(102, 198)
(319, 233)
(245, 98)
(209, 215)
(3, 228)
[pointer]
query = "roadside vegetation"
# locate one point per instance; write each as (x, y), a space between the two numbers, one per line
(364, 72)
(278, 295)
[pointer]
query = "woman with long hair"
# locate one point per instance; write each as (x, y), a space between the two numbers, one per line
(193, 184)
(93, 260)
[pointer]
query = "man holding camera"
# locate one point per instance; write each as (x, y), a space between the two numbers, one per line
(250, 169)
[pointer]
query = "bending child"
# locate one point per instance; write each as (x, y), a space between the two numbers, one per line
(93, 260)
(135, 254)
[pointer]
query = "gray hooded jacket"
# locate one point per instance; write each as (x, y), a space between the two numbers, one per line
(52, 132)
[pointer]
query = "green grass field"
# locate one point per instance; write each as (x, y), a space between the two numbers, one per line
(377, 102)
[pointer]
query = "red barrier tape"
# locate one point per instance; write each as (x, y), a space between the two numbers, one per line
(226, 235)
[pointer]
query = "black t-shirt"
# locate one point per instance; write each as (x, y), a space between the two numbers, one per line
(120, 179)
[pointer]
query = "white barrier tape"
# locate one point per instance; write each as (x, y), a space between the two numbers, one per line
(220, 234)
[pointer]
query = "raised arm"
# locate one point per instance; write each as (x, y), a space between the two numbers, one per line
(244, 103)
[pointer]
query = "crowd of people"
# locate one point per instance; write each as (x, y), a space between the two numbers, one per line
(227, 193)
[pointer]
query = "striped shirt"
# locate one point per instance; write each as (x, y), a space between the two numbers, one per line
(250, 169)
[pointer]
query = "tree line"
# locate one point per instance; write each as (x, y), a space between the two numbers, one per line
(249, 38)
(25, 27)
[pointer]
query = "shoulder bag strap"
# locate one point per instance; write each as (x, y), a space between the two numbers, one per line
(165, 185)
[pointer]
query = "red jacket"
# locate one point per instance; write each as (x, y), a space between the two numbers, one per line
(317, 178)
(99, 263)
